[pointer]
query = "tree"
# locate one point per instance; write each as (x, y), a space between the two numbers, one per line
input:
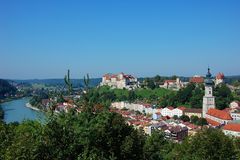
(68, 82)
(223, 96)
(196, 99)
(184, 95)
(208, 144)
(132, 96)
(174, 77)
(194, 119)
(149, 83)
(25, 142)
(175, 117)
(6, 88)
(185, 118)
(157, 79)
(202, 122)
(155, 146)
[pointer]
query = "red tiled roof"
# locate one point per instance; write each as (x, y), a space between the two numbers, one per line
(147, 105)
(219, 114)
(197, 80)
(182, 108)
(212, 122)
(193, 110)
(170, 81)
(170, 107)
(220, 76)
(232, 127)
(227, 110)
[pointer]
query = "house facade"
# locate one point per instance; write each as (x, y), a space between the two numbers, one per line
(232, 130)
(119, 81)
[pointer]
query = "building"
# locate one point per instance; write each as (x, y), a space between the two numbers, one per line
(232, 129)
(193, 112)
(235, 115)
(173, 84)
(219, 116)
(170, 111)
(208, 99)
(176, 133)
(156, 116)
(120, 81)
(234, 105)
(178, 111)
(219, 78)
(197, 79)
(167, 111)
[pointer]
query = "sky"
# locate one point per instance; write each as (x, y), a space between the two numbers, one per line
(42, 39)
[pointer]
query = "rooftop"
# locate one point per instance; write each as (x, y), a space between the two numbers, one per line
(212, 122)
(232, 127)
(219, 114)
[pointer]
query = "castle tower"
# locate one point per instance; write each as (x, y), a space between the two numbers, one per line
(208, 99)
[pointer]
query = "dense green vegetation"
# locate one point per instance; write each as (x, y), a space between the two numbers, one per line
(97, 134)
(105, 135)
(105, 95)
(208, 144)
(191, 96)
(6, 88)
(1, 113)
(38, 97)
(223, 96)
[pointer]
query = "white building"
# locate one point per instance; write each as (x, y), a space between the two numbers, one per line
(143, 108)
(232, 130)
(170, 111)
(119, 81)
(173, 84)
(219, 78)
(235, 116)
(167, 111)
(234, 105)
(178, 111)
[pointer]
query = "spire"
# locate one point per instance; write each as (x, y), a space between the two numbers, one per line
(209, 75)
(208, 80)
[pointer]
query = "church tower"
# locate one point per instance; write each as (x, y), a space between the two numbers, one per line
(208, 99)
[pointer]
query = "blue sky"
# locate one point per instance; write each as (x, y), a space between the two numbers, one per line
(42, 38)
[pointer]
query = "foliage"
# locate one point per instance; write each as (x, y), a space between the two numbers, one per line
(202, 122)
(223, 96)
(185, 118)
(208, 144)
(38, 97)
(68, 82)
(73, 136)
(156, 146)
(1, 113)
(105, 95)
(194, 119)
(6, 88)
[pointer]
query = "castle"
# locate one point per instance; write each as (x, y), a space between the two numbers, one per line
(119, 81)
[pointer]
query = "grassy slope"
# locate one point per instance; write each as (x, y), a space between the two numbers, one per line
(145, 93)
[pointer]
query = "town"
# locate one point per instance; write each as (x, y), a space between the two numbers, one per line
(177, 122)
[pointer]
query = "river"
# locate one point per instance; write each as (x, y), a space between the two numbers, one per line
(16, 111)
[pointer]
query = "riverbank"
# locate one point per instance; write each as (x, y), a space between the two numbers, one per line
(31, 107)
(18, 111)
(10, 99)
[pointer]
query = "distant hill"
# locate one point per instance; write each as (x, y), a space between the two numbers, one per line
(54, 82)
(6, 88)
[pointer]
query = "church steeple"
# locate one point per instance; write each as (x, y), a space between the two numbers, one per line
(208, 99)
(208, 80)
